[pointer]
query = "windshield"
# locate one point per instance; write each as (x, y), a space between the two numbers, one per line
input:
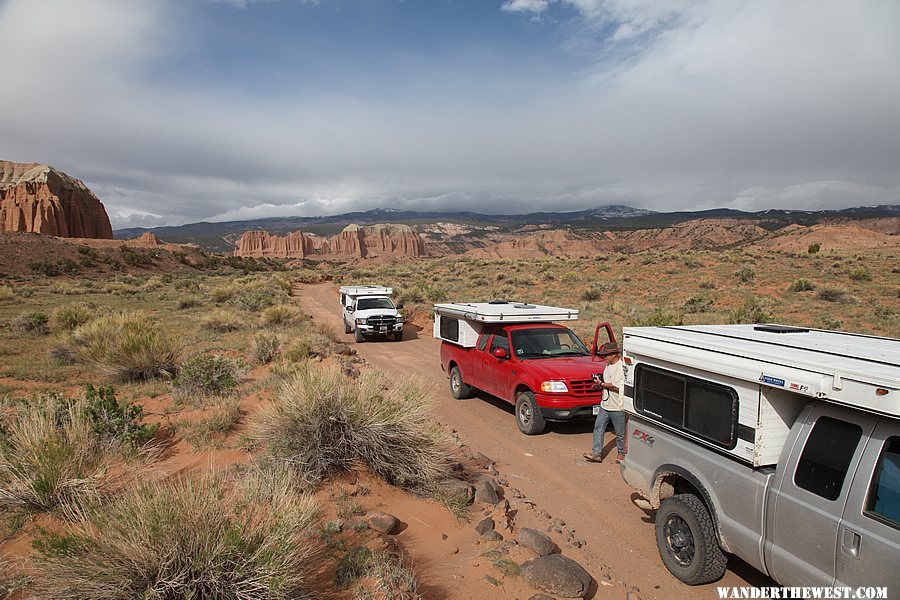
(546, 342)
(367, 303)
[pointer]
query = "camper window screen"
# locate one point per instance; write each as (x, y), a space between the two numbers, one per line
(450, 329)
(705, 409)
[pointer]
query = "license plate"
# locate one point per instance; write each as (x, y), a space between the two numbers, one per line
(382, 328)
(596, 410)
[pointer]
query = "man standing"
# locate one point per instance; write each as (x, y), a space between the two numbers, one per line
(611, 408)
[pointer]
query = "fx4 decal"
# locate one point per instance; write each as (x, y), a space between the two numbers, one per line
(643, 437)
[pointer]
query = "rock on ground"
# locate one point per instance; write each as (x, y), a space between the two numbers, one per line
(558, 575)
(537, 541)
(383, 522)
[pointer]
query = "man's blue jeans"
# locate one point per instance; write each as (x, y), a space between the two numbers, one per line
(618, 420)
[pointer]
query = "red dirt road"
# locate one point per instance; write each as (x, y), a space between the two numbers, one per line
(592, 499)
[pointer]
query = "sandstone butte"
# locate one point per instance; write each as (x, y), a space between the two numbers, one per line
(38, 198)
(383, 240)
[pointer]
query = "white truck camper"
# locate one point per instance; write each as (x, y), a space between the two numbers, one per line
(461, 322)
(369, 310)
(778, 444)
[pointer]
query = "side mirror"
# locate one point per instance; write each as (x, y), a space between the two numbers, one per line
(500, 352)
(399, 306)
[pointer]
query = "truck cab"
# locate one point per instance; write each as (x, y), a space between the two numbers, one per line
(542, 367)
(369, 311)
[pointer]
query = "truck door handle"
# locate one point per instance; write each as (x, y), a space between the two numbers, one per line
(850, 543)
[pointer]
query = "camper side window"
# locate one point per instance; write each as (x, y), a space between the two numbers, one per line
(702, 408)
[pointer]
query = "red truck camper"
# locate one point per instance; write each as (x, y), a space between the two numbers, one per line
(520, 353)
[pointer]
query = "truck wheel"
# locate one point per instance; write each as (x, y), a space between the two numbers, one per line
(528, 415)
(458, 387)
(398, 336)
(358, 336)
(686, 538)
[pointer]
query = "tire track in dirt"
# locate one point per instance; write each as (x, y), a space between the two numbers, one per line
(592, 499)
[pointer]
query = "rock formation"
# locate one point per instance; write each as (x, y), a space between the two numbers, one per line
(354, 241)
(148, 238)
(38, 198)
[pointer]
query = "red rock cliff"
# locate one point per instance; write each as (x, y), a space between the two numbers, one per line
(353, 241)
(40, 199)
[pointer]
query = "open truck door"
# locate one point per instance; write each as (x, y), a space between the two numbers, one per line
(603, 333)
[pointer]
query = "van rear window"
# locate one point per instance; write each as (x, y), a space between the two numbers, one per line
(702, 408)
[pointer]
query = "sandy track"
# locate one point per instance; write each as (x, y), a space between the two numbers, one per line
(592, 499)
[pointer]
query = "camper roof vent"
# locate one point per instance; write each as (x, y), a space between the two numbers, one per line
(780, 329)
(498, 301)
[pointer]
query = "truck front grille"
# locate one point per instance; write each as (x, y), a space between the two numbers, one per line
(584, 387)
(381, 321)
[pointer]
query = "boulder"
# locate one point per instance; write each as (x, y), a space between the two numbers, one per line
(383, 522)
(38, 198)
(537, 541)
(558, 575)
(484, 525)
(486, 491)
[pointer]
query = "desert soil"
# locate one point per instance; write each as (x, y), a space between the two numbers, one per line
(592, 499)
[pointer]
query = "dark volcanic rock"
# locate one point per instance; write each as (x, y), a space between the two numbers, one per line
(537, 541)
(557, 575)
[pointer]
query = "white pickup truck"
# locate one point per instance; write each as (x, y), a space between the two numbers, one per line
(369, 310)
(780, 445)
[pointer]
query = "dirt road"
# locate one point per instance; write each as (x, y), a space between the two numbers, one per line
(548, 469)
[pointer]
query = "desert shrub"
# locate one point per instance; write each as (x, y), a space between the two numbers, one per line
(10, 581)
(299, 350)
(255, 296)
(6, 293)
(697, 304)
(693, 263)
(707, 284)
(377, 575)
(33, 322)
(223, 293)
(188, 538)
(746, 274)
(591, 294)
(127, 346)
(67, 318)
(206, 375)
(829, 322)
(50, 456)
(860, 274)
(813, 248)
(802, 285)
(223, 321)
(44, 268)
(658, 318)
(323, 422)
(134, 257)
(211, 428)
(753, 310)
(280, 315)
(113, 420)
(265, 346)
(188, 302)
(832, 294)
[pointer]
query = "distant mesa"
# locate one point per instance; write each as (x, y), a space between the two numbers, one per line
(38, 198)
(371, 241)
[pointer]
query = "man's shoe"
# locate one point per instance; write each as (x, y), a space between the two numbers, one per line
(591, 457)
(620, 458)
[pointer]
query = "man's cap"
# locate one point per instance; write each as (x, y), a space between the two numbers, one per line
(609, 348)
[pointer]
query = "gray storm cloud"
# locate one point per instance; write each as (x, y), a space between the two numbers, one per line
(748, 105)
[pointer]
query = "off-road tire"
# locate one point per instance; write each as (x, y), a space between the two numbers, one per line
(686, 539)
(528, 415)
(458, 387)
(347, 328)
(398, 337)
(358, 336)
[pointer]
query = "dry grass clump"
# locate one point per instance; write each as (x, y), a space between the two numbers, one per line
(6, 293)
(128, 346)
(51, 456)
(266, 346)
(223, 321)
(323, 422)
(211, 429)
(188, 538)
(67, 318)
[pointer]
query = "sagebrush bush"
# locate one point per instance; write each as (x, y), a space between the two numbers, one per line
(265, 346)
(832, 294)
(33, 322)
(189, 538)
(67, 318)
(50, 456)
(280, 315)
(188, 302)
(813, 248)
(223, 321)
(860, 274)
(746, 274)
(802, 285)
(6, 293)
(658, 318)
(127, 346)
(753, 310)
(206, 375)
(323, 422)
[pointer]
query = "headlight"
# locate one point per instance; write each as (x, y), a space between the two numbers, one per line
(360, 321)
(554, 386)
(399, 318)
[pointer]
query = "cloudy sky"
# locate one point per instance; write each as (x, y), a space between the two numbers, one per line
(175, 111)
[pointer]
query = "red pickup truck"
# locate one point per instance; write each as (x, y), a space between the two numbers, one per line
(542, 368)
